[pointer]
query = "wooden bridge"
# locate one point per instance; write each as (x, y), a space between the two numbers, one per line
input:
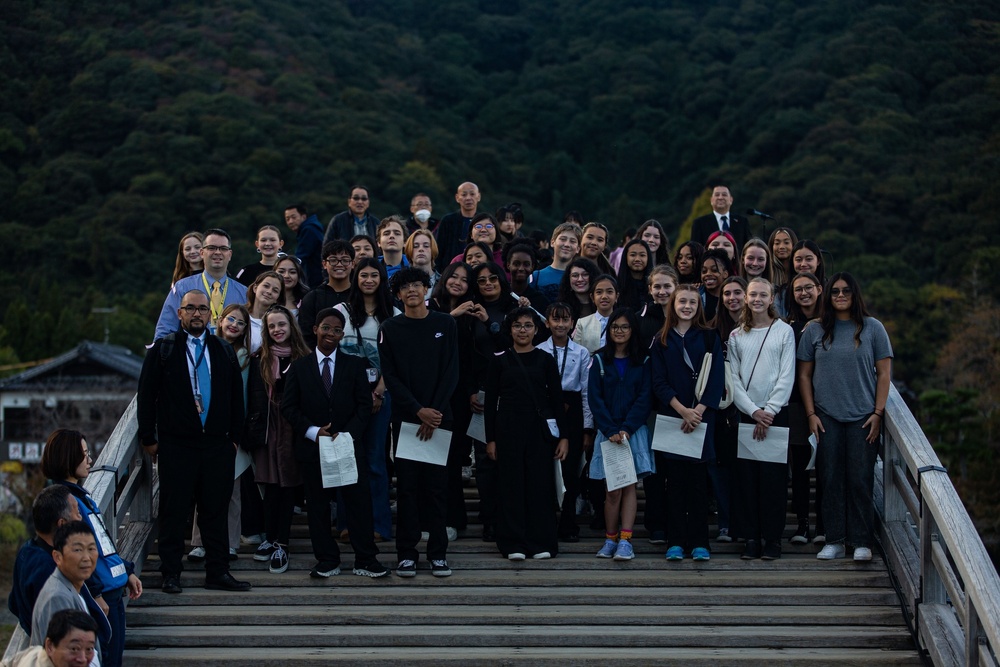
(934, 596)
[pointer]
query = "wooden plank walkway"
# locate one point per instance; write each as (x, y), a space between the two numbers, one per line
(572, 610)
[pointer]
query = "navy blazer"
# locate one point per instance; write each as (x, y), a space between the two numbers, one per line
(304, 402)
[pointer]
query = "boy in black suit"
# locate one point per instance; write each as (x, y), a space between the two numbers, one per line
(327, 393)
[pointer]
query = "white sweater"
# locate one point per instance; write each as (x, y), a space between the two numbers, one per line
(770, 387)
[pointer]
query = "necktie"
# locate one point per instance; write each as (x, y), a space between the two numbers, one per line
(204, 379)
(327, 375)
(216, 298)
(725, 223)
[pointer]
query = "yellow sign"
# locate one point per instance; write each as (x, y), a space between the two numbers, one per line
(12, 467)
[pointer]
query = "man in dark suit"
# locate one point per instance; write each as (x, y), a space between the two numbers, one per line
(355, 221)
(453, 232)
(190, 413)
(721, 219)
(327, 393)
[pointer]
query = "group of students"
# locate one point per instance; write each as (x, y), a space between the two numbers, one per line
(526, 337)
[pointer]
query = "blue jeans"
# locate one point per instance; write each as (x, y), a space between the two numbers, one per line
(846, 467)
(378, 475)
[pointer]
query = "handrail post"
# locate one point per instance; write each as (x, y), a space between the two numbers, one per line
(931, 587)
(893, 509)
(973, 630)
(142, 505)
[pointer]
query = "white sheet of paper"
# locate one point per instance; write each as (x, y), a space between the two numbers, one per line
(337, 464)
(772, 449)
(477, 425)
(814, 445)
(619, 468)
(433, 451)
(560, 484)
(243, 461)
(668, 437)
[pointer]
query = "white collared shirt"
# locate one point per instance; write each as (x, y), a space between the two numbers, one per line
(718, 219)
(192, 357)
(312, 432)
(573, 362)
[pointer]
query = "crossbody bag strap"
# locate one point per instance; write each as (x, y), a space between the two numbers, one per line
(768, 333)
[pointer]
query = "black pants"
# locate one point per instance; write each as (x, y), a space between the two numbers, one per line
(279, 507)
(203, 478)
(761, 492)
(526, 518)
(458, 457)
(687, 503)
(357, 497)
(421, 501)
(571, 465)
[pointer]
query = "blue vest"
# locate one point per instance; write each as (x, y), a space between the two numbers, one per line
(110, 569)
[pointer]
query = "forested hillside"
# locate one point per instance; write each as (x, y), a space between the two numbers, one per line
(870, 127)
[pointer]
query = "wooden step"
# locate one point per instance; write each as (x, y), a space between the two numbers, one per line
(515, 655)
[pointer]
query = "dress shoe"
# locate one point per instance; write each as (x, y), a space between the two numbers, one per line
(171, 584)
(751, 551)
(226, 582)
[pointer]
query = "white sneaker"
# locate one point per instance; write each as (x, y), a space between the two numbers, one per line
(452, 533)
(251, 539)
(831, 552)
(197, 555)
(862, 554)
(542, 555)
(515, 556)
(424, 536)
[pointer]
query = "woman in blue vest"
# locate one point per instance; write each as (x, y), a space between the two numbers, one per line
(66, 460)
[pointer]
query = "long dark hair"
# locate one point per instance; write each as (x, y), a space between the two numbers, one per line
(632, 290)
(356, 299)
(440, 292)
(697, 250)
(662, 255)
(566, 292)
(501, 275)
(636, 354)
(723, 321)
(795, 313)
(828, 318)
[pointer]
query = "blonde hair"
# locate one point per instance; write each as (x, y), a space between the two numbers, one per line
(746, 317)
(408, 246)
(768, 259)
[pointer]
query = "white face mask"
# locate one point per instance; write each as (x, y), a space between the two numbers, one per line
(423, 215)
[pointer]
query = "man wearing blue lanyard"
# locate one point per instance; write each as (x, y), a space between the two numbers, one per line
(190, 414)
(221, 291)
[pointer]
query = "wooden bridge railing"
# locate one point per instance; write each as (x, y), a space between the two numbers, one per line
(123, 485)
(948, 583)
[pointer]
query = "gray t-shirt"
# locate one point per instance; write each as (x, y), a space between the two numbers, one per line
(844, 376)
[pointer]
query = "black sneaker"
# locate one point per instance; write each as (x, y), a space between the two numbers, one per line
(751, 551)
(772, 551)
(657, 537)
(406, 568)
(439, 568)
(263, 552)
(279, 560)
(324, 570)
(373, 569)
(801, 535)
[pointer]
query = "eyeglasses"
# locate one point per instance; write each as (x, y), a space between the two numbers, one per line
(482, 280)
(837, 291)
(233, 320)
(87, 455)
(326, 328)
(480, 227)
(522, 326)
(410, 286)
(359, 198)
(338, 261)
(621, 328)
(217, 248)
(195, 309)
(804, 288)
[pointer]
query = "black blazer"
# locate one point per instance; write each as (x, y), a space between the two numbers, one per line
(707, 225)
(165, 402)
(305, 403)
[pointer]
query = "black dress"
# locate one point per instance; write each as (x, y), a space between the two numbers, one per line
(526, 507)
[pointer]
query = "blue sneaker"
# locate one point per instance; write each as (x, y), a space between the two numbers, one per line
(608, 550)
(624, 551)
(700, 553)
(675, 553)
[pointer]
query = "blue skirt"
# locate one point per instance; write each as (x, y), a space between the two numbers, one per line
(642, 455)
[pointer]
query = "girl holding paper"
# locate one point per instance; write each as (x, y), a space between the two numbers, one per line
(677, 357)
(762, 356)
(620, 398)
